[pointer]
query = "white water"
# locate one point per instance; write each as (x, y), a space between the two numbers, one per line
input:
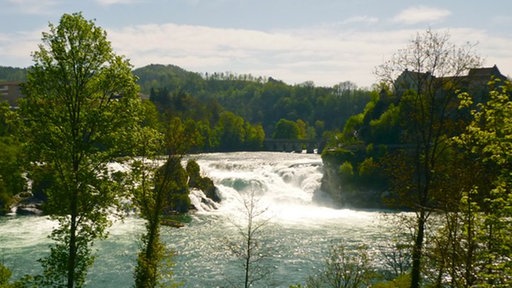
(299, 231)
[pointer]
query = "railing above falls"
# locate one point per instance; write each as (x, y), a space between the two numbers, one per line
(294, 145)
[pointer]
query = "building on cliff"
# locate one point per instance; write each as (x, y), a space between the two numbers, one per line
(475, 82)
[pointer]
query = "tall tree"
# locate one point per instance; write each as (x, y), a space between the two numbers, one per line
(425, 74)
(160, 190)
(487, 141)
(80, 109)
(152, 196)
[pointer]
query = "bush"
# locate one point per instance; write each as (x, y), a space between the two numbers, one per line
(5, 200)
(346, 169)
(403, 281)
(344, 268)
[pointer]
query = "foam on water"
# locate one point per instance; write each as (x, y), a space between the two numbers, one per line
(24, 231)
(284, 185)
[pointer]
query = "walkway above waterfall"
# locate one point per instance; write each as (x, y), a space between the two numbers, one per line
(294, 145)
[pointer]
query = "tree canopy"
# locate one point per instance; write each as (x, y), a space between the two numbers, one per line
(80, 108)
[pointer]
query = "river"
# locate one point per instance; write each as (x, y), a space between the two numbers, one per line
(297, 234)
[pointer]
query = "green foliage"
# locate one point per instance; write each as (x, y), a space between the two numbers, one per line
(11, 160)
(149, 200)
(344, 269)
(233, 133)
(11, 178)
(181, 137)
(171, 178)
(156, 77)
(378, 123)
(161, 194)
(346, 169)
(257, 100)
(205, 184)
(43, 179)
(12, 74)
(385, 129)
(80, 109)
(151, 118)
(255, 135)
(5, 276)
(230, 131)
(286, 129)
(403, 281)
(161, 190)
(487, 139)
(423, 75)
(369, 170)
(351, 128)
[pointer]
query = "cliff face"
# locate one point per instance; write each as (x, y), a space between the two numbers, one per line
(331, 182)
(344, 184)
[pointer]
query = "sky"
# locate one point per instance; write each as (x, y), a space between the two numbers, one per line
(324, 41)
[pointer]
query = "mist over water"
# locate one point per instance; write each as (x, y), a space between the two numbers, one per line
(297, 236)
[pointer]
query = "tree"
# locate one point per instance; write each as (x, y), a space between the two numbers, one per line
(286, 129)
(148, 197)
(230, 131)
(419, 74)
(346, 269)
(152, 197)
(160, 190)
(249, 247)
(486, 142)
(255, 135)
(81, 107)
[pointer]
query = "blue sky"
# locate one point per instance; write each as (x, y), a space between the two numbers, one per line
(324, 41)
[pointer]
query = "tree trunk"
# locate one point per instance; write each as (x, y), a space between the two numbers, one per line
(249, 246)
(72, 241)
(418, 251)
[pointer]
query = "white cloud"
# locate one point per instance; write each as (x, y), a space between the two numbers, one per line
(421, 14)
(16, 49)
(113, 2)
(361, 19)
(324, 55)
(35, 7)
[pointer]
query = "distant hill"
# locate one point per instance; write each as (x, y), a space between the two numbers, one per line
(12, 74)
(158, 76)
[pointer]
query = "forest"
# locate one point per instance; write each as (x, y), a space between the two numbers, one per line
(237, 112)
(432, 138)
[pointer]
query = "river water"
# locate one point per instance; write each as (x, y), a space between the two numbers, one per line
(296, 236)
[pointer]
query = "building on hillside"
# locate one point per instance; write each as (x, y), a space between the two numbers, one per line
(475, 82)
(10, 92)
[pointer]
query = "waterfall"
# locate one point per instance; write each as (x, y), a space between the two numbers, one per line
(284, 183)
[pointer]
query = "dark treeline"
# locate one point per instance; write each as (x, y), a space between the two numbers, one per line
(230, 112)
(12, 74)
